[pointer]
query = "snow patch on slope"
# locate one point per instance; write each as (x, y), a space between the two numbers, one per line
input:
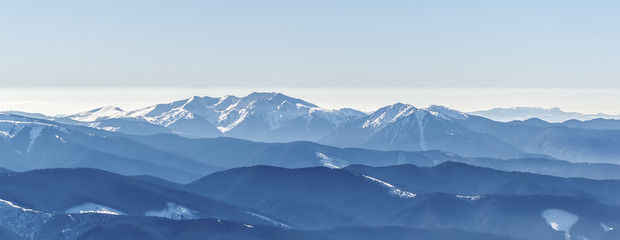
(237, 117)
(10, 127)
(560, 220)
(10, 204)
(35, 133)
(173, 211)
(606, 228)
(469, 197)
(94, 208)
(419, 115)
(392, 189)
(331, 162)
(60, 138)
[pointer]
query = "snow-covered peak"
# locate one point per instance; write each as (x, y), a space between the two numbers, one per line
(227, 112)
(273, 108)
(269, 110)
(446, 113)
(398, 111)
(225, 102)
(98, 114)
(277, 98)
(389, 114)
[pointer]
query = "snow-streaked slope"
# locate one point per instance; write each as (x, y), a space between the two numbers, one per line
(392, 189)
(11, 125)
(405, 127)
(386, 115)
(229, 111)
(399, 111)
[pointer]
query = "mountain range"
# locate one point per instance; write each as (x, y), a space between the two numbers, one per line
(274, 117)
(270, 166)
(35, 144)
(258, 116)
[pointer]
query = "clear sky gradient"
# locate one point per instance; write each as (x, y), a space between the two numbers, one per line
(562, 44)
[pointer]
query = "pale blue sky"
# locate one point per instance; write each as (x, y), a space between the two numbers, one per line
(393, 44)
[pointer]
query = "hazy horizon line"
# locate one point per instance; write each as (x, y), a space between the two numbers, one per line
(63, 100)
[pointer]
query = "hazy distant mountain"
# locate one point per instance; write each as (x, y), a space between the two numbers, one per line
(547, 114)
(595, 124)
(559, 168)
(231, 153)
(27, 144)
(405, 127)
(556, 140)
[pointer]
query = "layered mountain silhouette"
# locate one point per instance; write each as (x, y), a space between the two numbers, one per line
(270, 166)
(309, 203)
(35, 144)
